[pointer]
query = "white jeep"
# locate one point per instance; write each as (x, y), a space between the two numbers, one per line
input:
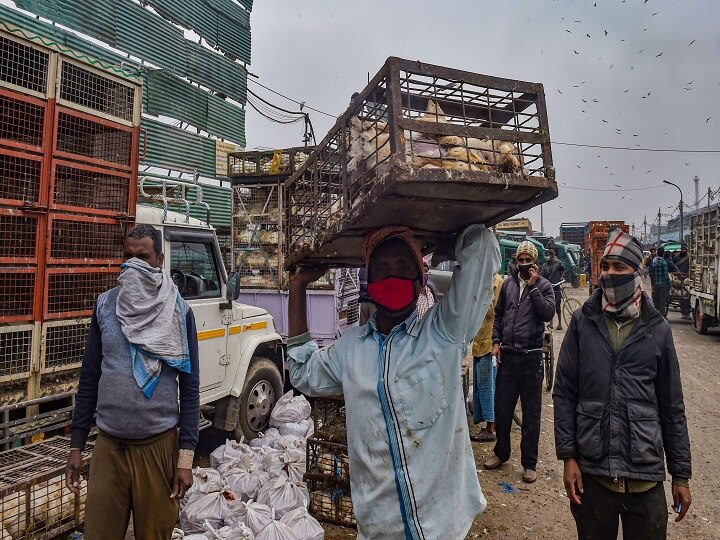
(241, 354)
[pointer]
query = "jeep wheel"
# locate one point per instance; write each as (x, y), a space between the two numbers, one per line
(263, 387)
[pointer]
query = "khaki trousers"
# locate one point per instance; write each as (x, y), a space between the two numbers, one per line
(132, 476)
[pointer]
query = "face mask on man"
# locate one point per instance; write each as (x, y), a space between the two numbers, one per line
(394, 294)
(524, 270)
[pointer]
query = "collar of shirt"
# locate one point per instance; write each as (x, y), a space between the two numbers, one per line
(410, 325)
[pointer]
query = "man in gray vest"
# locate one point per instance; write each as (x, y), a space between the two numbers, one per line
(141, 354)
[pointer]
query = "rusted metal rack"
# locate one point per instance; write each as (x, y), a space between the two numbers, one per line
(426, 146)
(34, 502)
(328, 463)
(69, 139)
(266, 166)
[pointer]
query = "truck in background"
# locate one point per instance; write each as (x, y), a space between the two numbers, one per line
(595, 240)
(574, 233)
(704, 251)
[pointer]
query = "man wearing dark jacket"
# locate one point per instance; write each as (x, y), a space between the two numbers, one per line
(526, 303)
(553, 270)
(619, 407)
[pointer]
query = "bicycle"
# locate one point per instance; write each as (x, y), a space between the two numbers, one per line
(569, 305)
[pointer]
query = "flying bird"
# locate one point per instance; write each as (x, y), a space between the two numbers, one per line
(693, 41)
(626, 91)
(559, 92)
(605, 32)
(618, 185)
(581, 99)
(654, 14)
(575, 51)
(658, 55)
(708, 119)
(605, 121)
(588, 35)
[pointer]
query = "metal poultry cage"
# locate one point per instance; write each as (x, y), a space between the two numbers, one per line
(266, 166)
(426, 146)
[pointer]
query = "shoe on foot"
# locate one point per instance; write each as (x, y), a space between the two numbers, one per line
(483, 436)
(492, 463)
(529, 476)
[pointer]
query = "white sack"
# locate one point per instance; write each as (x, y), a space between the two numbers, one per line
(229, 451)
(283, 495)
(288, 442)
(292, 463)
(202, 507)
(290, 409)
(254, 515)
(303, 524)
(245, 483)
(299, 428)
(276, 530)
(265, 439)
(204, 481)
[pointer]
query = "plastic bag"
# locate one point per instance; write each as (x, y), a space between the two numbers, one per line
(283, 495)
(293, 463)
(229, 451)
(301, 428)
(251, 513)
(236, 532)
(265, 439)
(202, 507)
(288, 442)
(243, 462)
(276, 530)
(245, 483)
(204, 481)
(290, 409)
(303, 524)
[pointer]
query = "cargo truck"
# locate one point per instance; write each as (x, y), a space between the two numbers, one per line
(704, 251)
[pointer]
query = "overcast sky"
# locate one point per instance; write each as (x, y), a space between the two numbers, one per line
(321, 52)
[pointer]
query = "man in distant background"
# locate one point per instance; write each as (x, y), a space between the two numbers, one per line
(512, 264)
(426, 300)
(659, 279)
(553, 270)
(682, 262)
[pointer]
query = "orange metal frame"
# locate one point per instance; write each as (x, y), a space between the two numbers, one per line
(75, 270)
(80, 219)
(35, 101)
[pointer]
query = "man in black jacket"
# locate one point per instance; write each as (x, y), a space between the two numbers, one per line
(619, 406)
(526, 303)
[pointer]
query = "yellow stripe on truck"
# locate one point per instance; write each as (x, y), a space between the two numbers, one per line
(247, 327)
(211, 334)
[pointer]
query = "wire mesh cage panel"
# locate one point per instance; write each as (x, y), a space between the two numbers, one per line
(97, 92)
(327, 460)
(23, 66)
(254, 166)
(18, 236)
(72, 292)
(22, 120)
(81, 187)
(257, 238)
(34, 502)
(63, 344)
(17, 293)
(328, 415)
(20, 175)
(425, 146)
(331, 502)
(83, 240)
(15, 351)
(82, 136)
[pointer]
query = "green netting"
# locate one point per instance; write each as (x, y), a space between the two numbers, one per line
(224, 25)
(170, 96)
(173, 148)
(134, 29)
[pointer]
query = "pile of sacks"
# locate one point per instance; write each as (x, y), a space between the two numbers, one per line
(255, 491)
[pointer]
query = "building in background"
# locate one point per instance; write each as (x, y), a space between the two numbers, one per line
(515, 225)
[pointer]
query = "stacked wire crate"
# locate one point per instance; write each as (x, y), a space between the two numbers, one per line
(68, 161)
(328, 464)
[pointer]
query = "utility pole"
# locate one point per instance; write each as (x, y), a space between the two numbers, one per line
(682, 226)
(633, 228)
(645, 236)
(542, 223)
(697, 191)
(659, 226)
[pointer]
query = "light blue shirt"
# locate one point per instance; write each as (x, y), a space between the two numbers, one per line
(413, 470)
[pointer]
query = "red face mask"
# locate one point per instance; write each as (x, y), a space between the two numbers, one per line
(393, 293)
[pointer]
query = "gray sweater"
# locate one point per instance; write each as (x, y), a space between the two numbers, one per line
(107, 383)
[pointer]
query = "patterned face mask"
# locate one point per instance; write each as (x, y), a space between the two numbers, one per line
(621, 295)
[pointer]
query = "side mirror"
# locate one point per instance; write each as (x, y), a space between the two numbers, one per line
(233, 287)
